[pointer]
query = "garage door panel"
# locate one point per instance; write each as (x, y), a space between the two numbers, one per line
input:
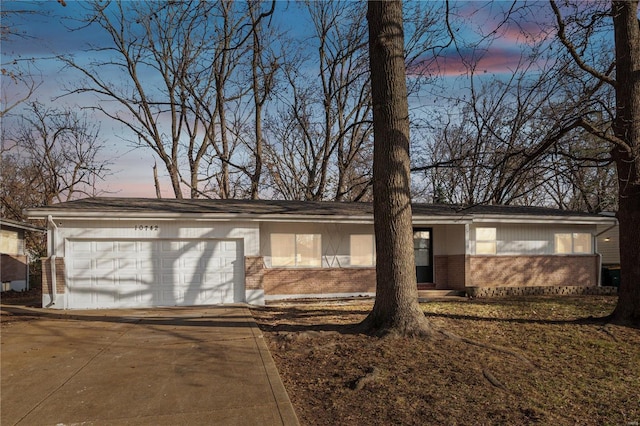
(105, 246)
(127, 263)
(170, 246)
(128, 273)
(148, 263)
(127, 246)
(80, 263)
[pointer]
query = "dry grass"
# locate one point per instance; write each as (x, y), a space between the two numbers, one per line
(581, 370)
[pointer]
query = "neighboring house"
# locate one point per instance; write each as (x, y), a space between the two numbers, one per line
(14, 263)
(126, 252)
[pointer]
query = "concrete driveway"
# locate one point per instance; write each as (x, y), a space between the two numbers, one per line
(166, 366)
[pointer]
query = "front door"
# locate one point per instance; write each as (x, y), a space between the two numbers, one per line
(423, 251)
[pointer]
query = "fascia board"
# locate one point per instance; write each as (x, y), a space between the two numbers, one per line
(363, 219)
(441, 220)
(121, 215)
(574, 220)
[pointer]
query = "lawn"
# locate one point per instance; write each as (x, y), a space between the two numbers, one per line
(529, 360)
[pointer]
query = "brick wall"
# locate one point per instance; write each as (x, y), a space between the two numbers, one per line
(46, 275)
(441, 271)
(455, 272)
(290, 281)
(458, 271)
(527, 271)
(253, 272)
(13, 268)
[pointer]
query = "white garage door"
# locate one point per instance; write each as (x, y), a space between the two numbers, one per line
(111, 274)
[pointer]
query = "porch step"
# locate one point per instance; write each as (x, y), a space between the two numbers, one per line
(426, 286)
(424, 295)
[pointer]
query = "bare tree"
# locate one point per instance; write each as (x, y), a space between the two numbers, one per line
(583, 175)
(19, 79)
(264, 66)
(396, 307)
(50, 156)
(190, 54)
(323, 128)
(578, 30)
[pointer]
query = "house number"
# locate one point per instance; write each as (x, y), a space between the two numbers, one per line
(146, 227)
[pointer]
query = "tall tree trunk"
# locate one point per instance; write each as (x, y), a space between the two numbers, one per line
(627, 128)
(396, 308)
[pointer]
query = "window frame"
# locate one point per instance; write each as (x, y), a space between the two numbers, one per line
(493, 242)
(295, 258)
(573, 237)
(372, 252)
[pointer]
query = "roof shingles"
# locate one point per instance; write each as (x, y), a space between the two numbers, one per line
(282, 207)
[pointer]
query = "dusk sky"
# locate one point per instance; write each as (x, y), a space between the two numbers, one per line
(44, 34)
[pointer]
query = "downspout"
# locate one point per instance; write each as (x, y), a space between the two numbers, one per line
(595, 244)
(52, 258)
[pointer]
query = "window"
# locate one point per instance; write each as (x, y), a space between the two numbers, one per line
(486, 241)
(577, 242)
(362, 250)
(422, 247)
(290, 250)
(582, 243)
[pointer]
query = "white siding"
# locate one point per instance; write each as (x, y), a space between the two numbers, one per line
(166, 229)
(527, 239)
(610, 250)
(448, 239)
(335, 239)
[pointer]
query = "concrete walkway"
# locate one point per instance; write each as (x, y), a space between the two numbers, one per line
(166, 366)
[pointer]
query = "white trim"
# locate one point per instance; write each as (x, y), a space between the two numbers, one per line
(417, 220)
(533, 219)
(254, 296)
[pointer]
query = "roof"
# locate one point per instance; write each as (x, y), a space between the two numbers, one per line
(110, 208)
(22, 226)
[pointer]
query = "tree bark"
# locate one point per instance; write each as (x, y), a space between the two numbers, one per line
(396, 309)
(627, 158)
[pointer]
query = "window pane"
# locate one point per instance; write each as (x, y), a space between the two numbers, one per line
(421, 247)
(485, 247)
(421, 239)
(486, 241)
(308, 250)
(581, 243)
(485, 234)
(283, 249)
(563, 243)
(361, 250)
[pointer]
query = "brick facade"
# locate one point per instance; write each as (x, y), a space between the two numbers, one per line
(253, 272)
(455, 272)
(14, 268)
(451, 272)
(528, 271)
(311, 281)
(46, 276)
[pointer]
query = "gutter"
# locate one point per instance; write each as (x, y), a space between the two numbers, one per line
(54, 284)
(124, 215)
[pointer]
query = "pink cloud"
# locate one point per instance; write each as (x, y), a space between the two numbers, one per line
(495, 60)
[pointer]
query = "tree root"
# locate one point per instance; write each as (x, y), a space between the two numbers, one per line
(492, 379)
(605, 329)
(372, 375)
(496, 348)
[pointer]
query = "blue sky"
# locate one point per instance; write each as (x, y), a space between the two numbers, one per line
(46, 34)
